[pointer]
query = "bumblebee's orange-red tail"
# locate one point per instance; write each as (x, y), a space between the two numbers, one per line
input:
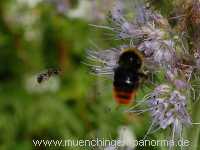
(123, 97)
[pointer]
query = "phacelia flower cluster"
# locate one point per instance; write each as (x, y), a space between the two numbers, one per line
(151, 34)
(168, 107)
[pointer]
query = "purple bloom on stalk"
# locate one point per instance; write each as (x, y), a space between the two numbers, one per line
(181, 84)
(168, 108)
(146, 32)
(173, 76)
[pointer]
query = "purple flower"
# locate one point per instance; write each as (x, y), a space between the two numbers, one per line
(181, 84)
(167, 108)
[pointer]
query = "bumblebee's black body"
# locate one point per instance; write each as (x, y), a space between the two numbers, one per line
(127, 76)
(126, 79)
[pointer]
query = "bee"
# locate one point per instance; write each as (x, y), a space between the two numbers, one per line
(46, 75)
(123, 65)
(127, 76)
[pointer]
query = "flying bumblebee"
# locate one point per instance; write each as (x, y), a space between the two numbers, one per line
(127, 76)
(46, 75)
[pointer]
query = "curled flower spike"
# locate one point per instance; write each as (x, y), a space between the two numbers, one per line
(118, 11)
(145, 15)
(146, 32)
(165, 54)
(161, 90)
(140, 28)
(173, 76)
(181, 84)
(168, 110)
(159, 52)
(148, 47)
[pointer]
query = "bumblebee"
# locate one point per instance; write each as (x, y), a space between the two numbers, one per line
(127, 76)
(46, 75)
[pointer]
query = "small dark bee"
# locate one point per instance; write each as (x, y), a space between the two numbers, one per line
(46, 75)
(127, 76)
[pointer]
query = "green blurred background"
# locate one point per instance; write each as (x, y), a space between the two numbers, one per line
(39, 34)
